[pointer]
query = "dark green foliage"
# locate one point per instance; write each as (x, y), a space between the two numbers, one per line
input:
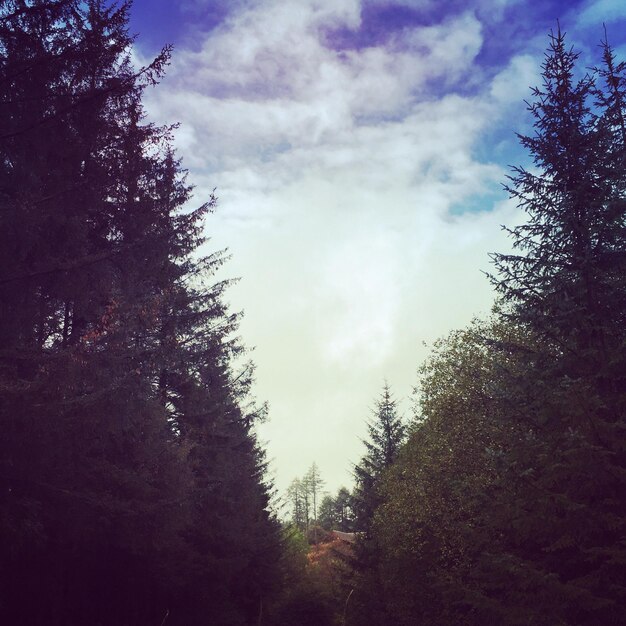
(131, 484)
(305, 606)
(336, 513)
(569, 289)
(429, 530)
(328, 513)
(305, 597)
(344, 510)
(385, 436)
(506, 506)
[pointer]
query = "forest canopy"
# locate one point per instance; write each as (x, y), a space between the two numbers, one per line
(506, 506)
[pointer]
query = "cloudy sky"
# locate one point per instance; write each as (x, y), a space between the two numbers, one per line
(358, 149)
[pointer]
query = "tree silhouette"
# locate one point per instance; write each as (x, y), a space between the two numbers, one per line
(131, 478)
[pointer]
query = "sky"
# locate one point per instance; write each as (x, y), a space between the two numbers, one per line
(358, 149)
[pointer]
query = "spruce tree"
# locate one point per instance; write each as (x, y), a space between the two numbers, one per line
(132, 483)
(386, 435)
(506, 506)
(566, 285)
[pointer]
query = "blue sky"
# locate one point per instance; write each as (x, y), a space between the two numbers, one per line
(358, 148)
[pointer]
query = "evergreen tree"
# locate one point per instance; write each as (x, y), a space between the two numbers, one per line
(505, 506)
(328, 513)
(386, 435)
(335, 513)
(132, 485)
(568, 287)
(344, 510)
(297, 496)
(313, 482)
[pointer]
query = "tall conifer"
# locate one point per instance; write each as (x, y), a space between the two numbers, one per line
(132, 486)
(567, 286)
(386, 434)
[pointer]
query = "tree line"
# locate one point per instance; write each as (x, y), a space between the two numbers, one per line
(505, 504)
(350, 511)
(132, 486)
(325, 565)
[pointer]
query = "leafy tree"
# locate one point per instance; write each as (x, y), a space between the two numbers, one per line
(310, 581)
(298, 498)
(425, 530)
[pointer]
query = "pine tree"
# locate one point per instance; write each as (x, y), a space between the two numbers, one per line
(313, 483)
(303, 495)
(566, 286)
(132, 483)
(297, 496)
(386, 435)
(335, 513)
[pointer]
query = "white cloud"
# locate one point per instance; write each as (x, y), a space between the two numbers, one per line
(512, 84)
(602, 12)
(337, 172)
(265, 78)
(446, 49)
